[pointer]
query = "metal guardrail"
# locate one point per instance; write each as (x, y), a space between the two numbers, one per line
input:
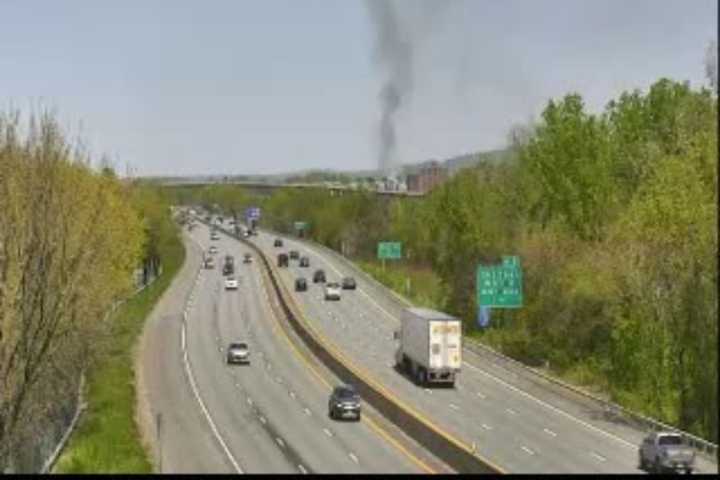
(638, 420)
(462, 459)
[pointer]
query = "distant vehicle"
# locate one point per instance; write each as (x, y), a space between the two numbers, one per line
(212, 250)
(344, 402)
(304, 262)
(332, 291)
(228, 269)
(430, 346)
(231, 283)
(278, 242)
(294, 254)
(238, 352)
(229, 259)
(247, 258)
(348, 283)
(214, 236)
(319, 276)
(282, 260)
(666, 451)
(209, 263)
(300, 284)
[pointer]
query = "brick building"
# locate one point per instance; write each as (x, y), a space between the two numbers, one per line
(428, 177)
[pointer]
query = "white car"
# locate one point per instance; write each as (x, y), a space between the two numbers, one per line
(332, 291)
(213, 250)
(231, 283)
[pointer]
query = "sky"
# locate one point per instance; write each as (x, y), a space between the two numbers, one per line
(180, 87)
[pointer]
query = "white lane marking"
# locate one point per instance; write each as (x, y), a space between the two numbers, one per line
(302, 469)
(427, 390)
(511, 411)
(263, 420)
(353, 457)
(526, 449)
(249, 401)
(486, 427)
(599, 457)
(182, 339)
(554, 409)
(454, 407)
(308, 412)
(292, 394)
(550, 432)
(481, 395)
(207, 415)
(327, 432)
(280, 442)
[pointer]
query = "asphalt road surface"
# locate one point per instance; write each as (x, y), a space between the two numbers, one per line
(522, 430)
(205, 416)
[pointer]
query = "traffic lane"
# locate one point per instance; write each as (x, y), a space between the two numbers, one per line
(184, 441)
(358, 448)
(390, 309)
(267, 383)
(225, 401)
(464, 398)
(355, 343)
(358, 437)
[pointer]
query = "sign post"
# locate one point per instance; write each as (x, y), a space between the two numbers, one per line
(500, 286)
(389, 250)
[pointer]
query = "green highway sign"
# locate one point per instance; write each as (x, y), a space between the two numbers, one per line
(389, 250)
(500, 286)
(301, 225)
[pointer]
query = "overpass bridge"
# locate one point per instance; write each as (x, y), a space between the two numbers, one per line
(267, 188)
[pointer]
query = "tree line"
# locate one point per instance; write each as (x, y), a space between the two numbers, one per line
(71, 239)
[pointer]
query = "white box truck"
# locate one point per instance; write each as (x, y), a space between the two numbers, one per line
(430, 348)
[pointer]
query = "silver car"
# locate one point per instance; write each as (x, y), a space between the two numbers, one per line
(238, 352)
(666, 451)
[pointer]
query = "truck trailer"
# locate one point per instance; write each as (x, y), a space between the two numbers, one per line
(430, 346)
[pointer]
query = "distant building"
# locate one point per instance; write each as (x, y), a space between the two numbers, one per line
(428, 177)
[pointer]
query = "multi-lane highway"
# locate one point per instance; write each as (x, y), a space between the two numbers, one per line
(202, 415)
(518, 430)
(270, 416)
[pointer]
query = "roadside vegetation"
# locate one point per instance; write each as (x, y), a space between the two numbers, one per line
(614, 217)
(73, 238)
(107, 439)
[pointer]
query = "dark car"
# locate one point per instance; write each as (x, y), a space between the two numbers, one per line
(348, 283)
(300, 284)
(344, 402)
(319, 276)
(228, 269)
(294, 254)
(247, 258)
(278, 242)
(282, 260)
(304, 262)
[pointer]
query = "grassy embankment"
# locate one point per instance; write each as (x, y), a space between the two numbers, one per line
(107, 439)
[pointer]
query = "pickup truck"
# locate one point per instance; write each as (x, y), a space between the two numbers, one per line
(666, 451)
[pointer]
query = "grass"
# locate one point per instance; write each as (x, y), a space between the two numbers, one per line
(107, 439)
(420, 285)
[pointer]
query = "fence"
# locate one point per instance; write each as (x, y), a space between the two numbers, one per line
(55, 429)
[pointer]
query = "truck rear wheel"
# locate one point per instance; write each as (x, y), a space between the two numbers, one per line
(422, 376)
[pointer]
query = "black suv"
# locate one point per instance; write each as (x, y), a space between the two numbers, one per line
(344, 402)
(300, 284)
(278, 242)
(348, 283)
(319, 276)
(294, 254)
(304, 261)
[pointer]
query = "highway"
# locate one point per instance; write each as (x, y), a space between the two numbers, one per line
(520, 430)
(266, 417)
